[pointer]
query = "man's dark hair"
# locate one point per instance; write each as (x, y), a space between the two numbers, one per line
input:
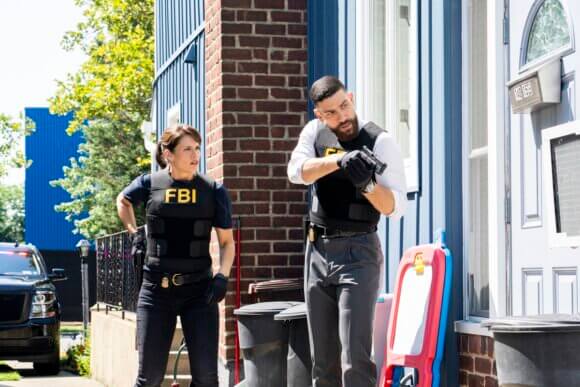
(325, 87)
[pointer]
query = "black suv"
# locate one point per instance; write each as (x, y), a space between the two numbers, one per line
(29, 308)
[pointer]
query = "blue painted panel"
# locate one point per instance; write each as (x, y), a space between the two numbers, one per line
(50, 149)
(453, 172)
(322, 37)
(331, 41)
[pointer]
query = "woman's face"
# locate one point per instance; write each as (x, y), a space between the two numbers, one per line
(185, 157)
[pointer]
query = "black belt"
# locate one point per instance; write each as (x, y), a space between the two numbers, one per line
(176, 279)
(315, 231)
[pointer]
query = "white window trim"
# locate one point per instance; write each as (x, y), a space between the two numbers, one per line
(172, 112)
(496, 160)
(555, 239)
(558, 53)
(365, 74)
(392, 110)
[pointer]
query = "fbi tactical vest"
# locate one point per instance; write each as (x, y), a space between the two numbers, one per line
(179, 221)
(335, 202)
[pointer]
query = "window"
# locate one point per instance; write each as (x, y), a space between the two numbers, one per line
(387, 78)
(476, 160)
(561, 157)
(548, 33)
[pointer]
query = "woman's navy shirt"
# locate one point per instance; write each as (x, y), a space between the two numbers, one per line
(138, 192)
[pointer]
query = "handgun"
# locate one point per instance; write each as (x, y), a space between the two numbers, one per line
(380, 166)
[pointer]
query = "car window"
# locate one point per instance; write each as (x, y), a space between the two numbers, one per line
(19, 263)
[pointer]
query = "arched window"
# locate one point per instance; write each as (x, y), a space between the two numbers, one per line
(547, 34)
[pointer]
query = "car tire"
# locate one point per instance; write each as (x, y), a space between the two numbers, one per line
(51, 367)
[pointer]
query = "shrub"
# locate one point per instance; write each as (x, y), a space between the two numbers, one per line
(78, 359)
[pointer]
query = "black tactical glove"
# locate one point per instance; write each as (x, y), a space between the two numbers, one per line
(358, 168)
(138, 246)
(217, 288)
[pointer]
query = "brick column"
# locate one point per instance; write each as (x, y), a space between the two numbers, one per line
(256, 107)
(476, 361)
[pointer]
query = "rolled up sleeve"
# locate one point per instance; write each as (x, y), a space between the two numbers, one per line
(393, 177)
(303, 151)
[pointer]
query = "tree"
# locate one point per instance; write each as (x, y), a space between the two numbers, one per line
(110, 96)
(11, 213)
(12, 134)
(94, 179)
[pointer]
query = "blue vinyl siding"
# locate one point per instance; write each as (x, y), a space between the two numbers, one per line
(175, 21)
(179, 27)
(50, 149)
(438, 203)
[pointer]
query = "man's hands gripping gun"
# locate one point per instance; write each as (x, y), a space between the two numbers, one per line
(360, 167)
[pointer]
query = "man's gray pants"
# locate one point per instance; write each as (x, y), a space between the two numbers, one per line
(340, 287)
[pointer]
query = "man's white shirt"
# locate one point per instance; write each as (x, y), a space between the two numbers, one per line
(386, 149)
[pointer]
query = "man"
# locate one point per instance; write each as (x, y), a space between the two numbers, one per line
(344, 256)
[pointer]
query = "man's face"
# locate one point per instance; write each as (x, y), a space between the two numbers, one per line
(337, 112)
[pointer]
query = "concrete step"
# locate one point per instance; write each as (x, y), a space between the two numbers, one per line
(182, 365)
(183, 380)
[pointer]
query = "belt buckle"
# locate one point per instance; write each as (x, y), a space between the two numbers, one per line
(173, 277)
(164, 282)
(311, 234)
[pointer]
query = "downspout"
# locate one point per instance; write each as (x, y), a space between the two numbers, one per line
(507, 163)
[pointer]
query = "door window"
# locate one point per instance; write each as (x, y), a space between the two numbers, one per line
(548, 34)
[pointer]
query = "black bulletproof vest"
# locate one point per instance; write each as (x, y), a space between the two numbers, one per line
(179, 221)
(335, 202)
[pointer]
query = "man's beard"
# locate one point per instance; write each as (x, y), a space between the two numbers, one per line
(346, 136)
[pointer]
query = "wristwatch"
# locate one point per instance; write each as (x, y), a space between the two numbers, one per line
(369, 187)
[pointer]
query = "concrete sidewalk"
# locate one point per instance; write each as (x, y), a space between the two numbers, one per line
(63, 379)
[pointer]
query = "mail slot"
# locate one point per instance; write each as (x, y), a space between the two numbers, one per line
(537, 88)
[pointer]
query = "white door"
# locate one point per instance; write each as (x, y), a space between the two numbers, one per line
(544, 279)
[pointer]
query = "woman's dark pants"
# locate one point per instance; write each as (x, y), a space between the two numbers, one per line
(157, 311)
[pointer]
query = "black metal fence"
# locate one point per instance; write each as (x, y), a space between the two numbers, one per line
(118, 276)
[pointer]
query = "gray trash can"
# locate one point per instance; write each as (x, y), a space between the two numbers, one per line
(537, 351)
(264, 343)
(299, 363)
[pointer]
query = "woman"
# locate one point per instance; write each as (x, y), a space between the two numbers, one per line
(182, 206)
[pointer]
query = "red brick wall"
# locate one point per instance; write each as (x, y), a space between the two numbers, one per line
(256, 107)
(476, 361)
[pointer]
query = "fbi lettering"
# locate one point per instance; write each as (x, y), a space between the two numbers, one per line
(180, 195)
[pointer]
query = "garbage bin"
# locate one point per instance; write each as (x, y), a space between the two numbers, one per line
(299, 363)
(534, 351)
(264, 343)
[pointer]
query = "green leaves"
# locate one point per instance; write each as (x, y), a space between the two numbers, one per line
(115, 81)
(12, 133)
(11, 213)
(110, 97)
